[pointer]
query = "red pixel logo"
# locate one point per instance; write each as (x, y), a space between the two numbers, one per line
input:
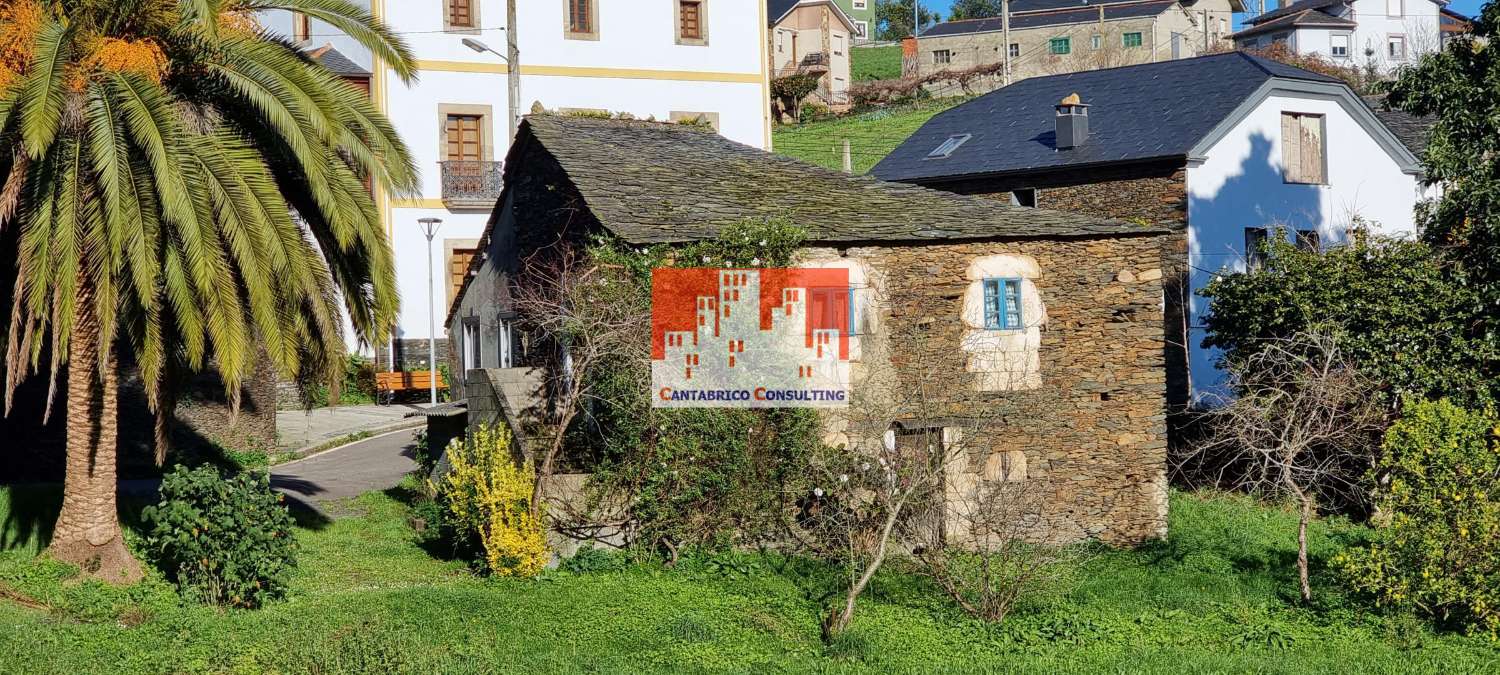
(750, 338)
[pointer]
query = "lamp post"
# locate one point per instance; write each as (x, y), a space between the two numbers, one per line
(512, 75)
(430, 228)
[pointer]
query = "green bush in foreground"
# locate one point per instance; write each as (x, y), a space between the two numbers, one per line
(223, 541)
(1441, 552)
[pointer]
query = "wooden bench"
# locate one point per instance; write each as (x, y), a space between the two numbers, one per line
(389, 385)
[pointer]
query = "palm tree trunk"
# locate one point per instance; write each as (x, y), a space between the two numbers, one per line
(88, 529)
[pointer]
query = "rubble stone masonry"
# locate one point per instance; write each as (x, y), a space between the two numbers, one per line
(1092, 434)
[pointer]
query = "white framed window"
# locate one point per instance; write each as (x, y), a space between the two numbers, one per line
(471, 344)
(942, 57)
(1096, 41)
(838, 45)
(506, 344)
(1015, 50)
(861, 29)
(861, 4)
(1303, 157)
(1255, 246)
(1338, 45)
(1395, 47)
(1395, 8)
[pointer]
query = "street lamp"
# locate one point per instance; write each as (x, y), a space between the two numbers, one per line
(512, 76)
(430, 228)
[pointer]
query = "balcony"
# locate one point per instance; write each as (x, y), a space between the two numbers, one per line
(471, 185)
(815, 63)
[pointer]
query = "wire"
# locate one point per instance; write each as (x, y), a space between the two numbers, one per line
(410, 32)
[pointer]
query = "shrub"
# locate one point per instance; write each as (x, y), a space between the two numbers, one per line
(488, 499)
(1440, 553)
(223, 541)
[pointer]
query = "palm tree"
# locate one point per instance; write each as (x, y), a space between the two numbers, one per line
(191, 189)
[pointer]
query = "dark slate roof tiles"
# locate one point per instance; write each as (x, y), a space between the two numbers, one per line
(651, 182)
(1077, 14)
(1141, 112)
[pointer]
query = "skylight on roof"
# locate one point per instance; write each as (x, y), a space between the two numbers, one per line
(948, 146)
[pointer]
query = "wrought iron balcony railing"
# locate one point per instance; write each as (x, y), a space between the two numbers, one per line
(471, 185)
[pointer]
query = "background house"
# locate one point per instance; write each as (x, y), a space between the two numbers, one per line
(1075, 369)
(813, 37)
(1383, 34)
(1062, 36)
(675, 59)
(862, 13)
(1222, 148)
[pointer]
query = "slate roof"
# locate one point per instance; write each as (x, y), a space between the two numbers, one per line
(651, 182)
(1148, 111)
(1411, 129)
(1294, 8)
(1307, 18)
(776, 10)
(1019, 20)
(335, 61)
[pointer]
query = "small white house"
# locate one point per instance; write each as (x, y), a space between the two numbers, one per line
(1226, 149)
(667, 59)
(1385, 33)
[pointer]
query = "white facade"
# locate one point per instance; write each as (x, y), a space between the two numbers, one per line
(1389, 33)
(1238, 180)
(632, 61)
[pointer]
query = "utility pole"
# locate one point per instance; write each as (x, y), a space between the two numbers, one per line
(512, 67)
(430, 228)
(1005, 31)
(916, 18)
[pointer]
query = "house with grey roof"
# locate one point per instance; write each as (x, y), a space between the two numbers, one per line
(813, 37)
(1047, 37)
(1226, 149)
(1051, 319)
(1382, 34)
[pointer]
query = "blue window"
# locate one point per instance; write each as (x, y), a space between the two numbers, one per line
(1002, 304)
(853, 312)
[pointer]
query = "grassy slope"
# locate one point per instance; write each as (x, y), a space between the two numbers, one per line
(366, 598)
(875, 63)
(872, 135)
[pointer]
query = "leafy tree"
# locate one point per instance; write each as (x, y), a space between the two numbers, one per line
(1402, 318)
(893, 19)
(974, 9)
(188, 188)
(1460, 89)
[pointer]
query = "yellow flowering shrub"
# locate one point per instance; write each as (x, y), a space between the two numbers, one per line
(489, 498)
(19, 22)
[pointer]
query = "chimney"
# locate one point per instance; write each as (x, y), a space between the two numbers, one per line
(1072, 122)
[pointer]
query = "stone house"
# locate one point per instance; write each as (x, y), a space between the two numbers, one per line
(1223, 149)
(1049, 37)
(1357, 33)
(813, 37)
(1079, 384)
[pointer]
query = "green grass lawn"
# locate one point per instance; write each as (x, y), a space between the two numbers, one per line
(1218, 596)
(875, 63)
(872, 135)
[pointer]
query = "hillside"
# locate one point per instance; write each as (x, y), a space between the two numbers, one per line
(872, 135)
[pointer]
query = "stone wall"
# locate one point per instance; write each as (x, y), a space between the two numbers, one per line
(1090, 436)
(1153, 193)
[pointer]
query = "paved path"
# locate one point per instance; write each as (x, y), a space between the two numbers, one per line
(373, 464)
(302, 429)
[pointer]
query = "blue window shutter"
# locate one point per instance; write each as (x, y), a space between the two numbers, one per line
(992, 303)
(1012, 303)
(853, 322)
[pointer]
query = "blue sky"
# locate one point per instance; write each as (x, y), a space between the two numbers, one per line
(1465, 7)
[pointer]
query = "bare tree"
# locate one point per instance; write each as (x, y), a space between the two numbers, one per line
(1303, 423)
(587, 315)
(885, 487)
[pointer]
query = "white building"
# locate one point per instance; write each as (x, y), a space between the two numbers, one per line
(1227, 149)
(673, 59)
(1385, 33)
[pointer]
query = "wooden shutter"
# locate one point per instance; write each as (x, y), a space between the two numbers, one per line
(1312, 148)
(465, 140)
(1291, 147)
(690, 14)
(458, 267)
(579, 19)
(461, 13)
